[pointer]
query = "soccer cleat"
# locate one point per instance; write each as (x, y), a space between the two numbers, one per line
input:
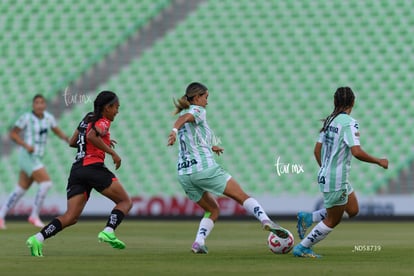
(304, 222)
(36, 222)
(199, 249)
(35, 246)
(3, 224)
(111, 239)
(276, 229)
(304, 252)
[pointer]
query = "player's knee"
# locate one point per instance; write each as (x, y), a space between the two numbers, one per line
(128, 204)
(353, 212)
(214, 214)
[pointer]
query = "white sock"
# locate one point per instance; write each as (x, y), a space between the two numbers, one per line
(318, 233)
(319, 215)
(108, 229)
(39, 237)
(253, 207)
(40, 197)
(13, 198)
(204, 229)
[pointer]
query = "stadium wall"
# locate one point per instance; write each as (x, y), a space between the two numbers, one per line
(180, 206)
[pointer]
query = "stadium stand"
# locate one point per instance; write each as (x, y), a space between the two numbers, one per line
(46, 45)
(271, 68)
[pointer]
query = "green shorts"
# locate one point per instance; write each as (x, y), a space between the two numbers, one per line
(29, 162)
(213, 180)
(337, 198)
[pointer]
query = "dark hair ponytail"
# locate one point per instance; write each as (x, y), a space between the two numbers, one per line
(343, 99)
(103, 99)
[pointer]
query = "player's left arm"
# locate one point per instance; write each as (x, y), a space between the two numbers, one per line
(361, 155)
(94, 137)
(351, 138)
(58, 132)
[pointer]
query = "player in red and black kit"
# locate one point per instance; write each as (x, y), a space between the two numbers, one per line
(92, 139)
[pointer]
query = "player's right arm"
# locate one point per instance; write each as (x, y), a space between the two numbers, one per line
(73, 140)
(317, 153)
(15, 136)
(188, 117)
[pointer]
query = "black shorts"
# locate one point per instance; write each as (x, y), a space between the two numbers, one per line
(83, 178)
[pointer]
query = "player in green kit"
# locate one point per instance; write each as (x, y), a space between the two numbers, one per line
(338, 142)
(34, 128)
(199, 174)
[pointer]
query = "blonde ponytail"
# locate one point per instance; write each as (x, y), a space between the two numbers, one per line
(193, 89)
(181, 104)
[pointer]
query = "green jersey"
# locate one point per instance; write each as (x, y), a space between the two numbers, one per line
(35, 130)
(195, 143)
(337, 140)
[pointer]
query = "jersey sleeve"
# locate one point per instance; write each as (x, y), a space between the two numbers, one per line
(351, 134)
(321, 137)
(198, 113)
(22, 121)
(103, 126)
(52, 121)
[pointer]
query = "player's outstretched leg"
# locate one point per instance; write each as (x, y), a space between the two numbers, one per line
(304, 252)
(110, 238)
(279, 231)
(199, 249)
(35, 246)
(304, 222)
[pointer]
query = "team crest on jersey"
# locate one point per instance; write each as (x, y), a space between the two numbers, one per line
(104, 126)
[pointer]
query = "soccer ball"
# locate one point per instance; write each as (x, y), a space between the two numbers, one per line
(280, 245)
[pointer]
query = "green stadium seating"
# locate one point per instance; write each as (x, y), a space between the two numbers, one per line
(47, 44)
(272, 68)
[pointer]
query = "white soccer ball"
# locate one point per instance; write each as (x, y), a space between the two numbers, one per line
(280, 245)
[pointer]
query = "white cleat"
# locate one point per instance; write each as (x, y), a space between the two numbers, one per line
(36, 222)
(3, 224)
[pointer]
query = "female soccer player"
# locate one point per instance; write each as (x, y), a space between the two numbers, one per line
(199, 174)
(338, 141)
(34, 126)
(89, 171)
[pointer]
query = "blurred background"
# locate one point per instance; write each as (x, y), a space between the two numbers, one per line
(271, 68)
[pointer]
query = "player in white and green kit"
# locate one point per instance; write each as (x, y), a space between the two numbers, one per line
(338, 142)
(34, 126)
(199, 174)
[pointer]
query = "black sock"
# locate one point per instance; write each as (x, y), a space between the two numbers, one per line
(115, 219)
(54, 227)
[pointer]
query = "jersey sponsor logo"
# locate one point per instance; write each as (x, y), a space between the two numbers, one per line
(333, 129)
(187, 164)
(43, 131)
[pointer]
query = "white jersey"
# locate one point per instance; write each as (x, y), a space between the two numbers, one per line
(195, 143)
(35, 130)
(337, 140)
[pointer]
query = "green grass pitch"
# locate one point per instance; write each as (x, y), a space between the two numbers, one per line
(235, 248)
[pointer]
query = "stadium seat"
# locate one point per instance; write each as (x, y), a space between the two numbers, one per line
(271, 66)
